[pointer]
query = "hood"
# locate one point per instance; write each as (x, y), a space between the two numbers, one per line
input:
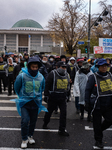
(11, 59)
(21, 55)
(35, 59)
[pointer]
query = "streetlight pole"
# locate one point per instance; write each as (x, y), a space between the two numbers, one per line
(89, 27)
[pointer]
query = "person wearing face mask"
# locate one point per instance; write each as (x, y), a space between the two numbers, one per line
(2, 75)
(77, 66)
(80, 84)
(52, 61)
(98, 96)
(9, 67)
(46, 64)
(56, 90)
(29, 86)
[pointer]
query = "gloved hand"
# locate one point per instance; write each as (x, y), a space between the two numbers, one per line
(87, 107)
(46, 99)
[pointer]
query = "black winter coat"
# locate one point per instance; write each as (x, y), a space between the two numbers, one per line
(91, 95)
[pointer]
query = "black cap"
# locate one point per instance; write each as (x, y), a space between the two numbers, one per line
(62, 64)
(62, 56)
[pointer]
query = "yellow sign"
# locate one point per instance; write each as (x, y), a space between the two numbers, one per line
(62, 84)
(11, 69)
(106, 85)
(1, 67)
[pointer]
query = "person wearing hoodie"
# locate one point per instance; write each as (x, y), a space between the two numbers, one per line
(2, 75)
(73, 74)
(56, 90)
(46, 64)
(94, 68)
(29, 86)
(98, 97)
(18, 68)
(9, 67)
(80, 85)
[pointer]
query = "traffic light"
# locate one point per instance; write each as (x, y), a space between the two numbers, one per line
(86, 49)
(5, 47)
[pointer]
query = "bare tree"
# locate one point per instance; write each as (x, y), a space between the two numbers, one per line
(70, 26)
(106, 24)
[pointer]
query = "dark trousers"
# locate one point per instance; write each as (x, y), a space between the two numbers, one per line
(100, 126)
(77, 103)
(28, 122)
(2, 80)
(82, 110)
(10, 84)
(51, 107)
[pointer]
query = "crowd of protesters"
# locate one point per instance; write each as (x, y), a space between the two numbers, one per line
(28, 76)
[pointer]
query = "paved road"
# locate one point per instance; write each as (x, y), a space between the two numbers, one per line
(81, 131)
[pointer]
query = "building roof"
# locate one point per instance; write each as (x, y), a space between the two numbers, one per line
(27, 24)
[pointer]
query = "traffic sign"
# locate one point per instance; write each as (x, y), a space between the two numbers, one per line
(81, 42)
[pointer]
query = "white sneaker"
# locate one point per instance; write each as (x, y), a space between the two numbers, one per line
(24, 144)
(31, 140)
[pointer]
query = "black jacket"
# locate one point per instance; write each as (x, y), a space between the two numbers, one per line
(16, 70)
(43, 71)
(49, 84)
(91, 95)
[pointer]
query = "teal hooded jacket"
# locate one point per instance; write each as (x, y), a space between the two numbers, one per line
(29, 88)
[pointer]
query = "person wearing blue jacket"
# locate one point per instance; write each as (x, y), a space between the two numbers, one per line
(29, 86)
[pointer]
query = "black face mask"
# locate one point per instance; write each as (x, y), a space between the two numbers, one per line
(33, 73)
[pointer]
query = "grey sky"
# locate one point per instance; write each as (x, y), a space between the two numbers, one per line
(38, 10)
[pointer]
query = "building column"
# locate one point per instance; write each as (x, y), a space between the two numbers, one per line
(4, 42)
(16, 43)
(41, 40)
(54, 44)
(29, 43)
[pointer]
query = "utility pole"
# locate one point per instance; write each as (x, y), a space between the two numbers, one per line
(89, 28)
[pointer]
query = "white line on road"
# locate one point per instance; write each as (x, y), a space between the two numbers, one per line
(7, 148)
(106, 147)
(18, 129)
(8, 108)
(5, 95)
(88, 128)
(8, 101)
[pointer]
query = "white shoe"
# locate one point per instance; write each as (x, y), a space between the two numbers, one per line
(31, 140)
(24, 144)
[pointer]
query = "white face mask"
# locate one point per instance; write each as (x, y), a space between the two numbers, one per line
(44, 61)
(51, 59)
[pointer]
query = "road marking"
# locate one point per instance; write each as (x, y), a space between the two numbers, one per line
(18, 129)
(5, 95)
(88, 128)
(8, 108)
(6, 148)
(8, 101)
(106, 147)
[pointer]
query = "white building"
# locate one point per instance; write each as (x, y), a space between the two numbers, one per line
(26, 35)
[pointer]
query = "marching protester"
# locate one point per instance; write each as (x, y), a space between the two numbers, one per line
(9, 67)
(98, 96)
(46, 63)
(2, 75)
(29, 86)
(80, 85)
(73, 73)
(18, 68)
(56, 89)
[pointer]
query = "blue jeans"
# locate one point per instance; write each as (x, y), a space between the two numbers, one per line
(28, 122)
